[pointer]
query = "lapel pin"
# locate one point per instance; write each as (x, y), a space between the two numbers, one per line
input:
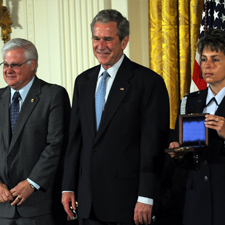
(32, 100)
(122, 89)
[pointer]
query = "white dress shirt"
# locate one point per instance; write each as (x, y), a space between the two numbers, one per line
(212, 106)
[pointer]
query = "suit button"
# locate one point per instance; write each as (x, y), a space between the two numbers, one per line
(94, 149)
(205, 162)
(206, 178)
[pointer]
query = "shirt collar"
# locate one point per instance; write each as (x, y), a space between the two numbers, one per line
(219, 97)
(112, 71)
(24, 90)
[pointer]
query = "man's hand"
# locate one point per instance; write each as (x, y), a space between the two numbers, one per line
(21, 191)
(68, 198)
(5, 195)
(142, 213)
(217, 123)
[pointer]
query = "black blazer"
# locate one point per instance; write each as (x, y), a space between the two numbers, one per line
(205, 195)
(111, 168)
(35, 147)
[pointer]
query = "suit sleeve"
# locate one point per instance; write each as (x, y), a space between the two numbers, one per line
(59, 109)
(154, 137)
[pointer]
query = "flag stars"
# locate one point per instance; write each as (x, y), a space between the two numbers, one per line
(216, 15)
(217, 2)
(203, 15)
(223, 17)
(201, 28)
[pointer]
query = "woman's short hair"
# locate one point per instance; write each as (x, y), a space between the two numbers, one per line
(214, 40)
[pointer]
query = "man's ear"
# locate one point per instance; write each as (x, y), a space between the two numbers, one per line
(33, 64)
(125, 42)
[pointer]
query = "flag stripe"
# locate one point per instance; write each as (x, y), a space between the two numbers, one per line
(197, 78)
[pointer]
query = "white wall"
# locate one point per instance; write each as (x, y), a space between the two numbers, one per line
(60, 29)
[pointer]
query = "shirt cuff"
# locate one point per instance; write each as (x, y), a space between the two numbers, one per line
(148, 201)
(34, 184)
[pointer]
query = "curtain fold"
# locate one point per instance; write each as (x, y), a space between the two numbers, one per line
(173, 34)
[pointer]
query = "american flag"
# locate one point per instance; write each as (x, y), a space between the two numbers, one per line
(213, 16)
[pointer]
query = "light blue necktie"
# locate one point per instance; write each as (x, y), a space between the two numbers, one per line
(100, 98)
(14, 109)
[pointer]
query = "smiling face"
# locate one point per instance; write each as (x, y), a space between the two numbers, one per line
(18, 78)
(107, 46)
(213, 69)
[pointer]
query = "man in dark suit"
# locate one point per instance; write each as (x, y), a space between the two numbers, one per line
(205, 196)
(113, 164)
(32, 126)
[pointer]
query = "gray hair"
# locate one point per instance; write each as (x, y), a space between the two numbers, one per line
(30, 51)
(111, 15)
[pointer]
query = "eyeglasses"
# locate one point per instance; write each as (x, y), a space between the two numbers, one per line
(13, 65)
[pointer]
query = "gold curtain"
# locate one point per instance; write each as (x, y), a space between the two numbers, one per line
(173, 35)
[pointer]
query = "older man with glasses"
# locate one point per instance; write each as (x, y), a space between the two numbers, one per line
(32, 127)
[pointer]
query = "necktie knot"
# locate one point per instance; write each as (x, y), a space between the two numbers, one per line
(105, 75)
(16, 96)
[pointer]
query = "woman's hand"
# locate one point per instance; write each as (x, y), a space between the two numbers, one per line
(217, 123)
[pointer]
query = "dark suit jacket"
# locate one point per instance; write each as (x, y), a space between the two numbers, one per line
(35, 147)
(205, 195)
(111, 168)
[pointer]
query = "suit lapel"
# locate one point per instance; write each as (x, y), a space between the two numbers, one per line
(27, 108)
(4, 116)
(88, 100)
(118, 90)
